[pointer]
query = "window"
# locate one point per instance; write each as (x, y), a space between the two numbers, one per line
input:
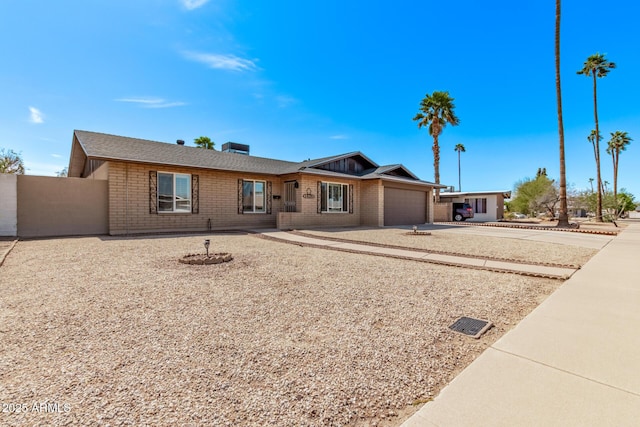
(478, 205)
(253, 196)
(334, 197)
(174, 192)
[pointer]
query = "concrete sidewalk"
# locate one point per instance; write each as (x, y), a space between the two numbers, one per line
(574, 361)
(420, 255)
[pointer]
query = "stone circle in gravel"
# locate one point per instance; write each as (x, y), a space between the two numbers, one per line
(204, 259)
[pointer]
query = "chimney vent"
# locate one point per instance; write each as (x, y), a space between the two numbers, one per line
(180, 142)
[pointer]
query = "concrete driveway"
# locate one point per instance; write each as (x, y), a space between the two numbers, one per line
(592, 241)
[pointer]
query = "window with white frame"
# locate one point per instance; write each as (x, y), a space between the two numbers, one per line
(174, 192)
(334, 197)
(478, 205)
(254, 196)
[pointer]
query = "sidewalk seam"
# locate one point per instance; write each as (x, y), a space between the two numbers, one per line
(565, 371)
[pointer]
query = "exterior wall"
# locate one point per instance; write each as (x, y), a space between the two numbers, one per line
(307, 214)
(372, 203)
(9, 205)
(443, 212)
(499, 206)
(218, 201)
(49, 206)
(101, 172)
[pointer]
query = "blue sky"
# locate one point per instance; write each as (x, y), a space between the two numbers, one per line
(298, 80)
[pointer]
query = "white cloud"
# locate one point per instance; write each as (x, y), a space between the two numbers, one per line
(57, 156)
(285, 101)
(193, 4)
(152, 102)
(36, 115)
(222, 62)
(338, 137)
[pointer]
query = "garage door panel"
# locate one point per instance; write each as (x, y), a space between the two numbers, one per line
(404, 207)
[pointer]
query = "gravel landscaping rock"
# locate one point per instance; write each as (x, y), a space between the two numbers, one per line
(122, 334)
(485, 246)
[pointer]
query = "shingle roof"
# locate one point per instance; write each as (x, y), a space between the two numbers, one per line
(101, 146)
(384, 170)
(111, 147)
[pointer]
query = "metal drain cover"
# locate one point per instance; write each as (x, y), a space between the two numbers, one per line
(472, 327)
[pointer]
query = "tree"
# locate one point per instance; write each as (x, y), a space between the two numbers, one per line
(625, 201)
(535, 195)
(460, 149)
(591, 182)
(597, 66)
(436, 111)
(618, 142)
(63, 173)
(596, 154)
(204, 142)
(563, 216)
(11, 162)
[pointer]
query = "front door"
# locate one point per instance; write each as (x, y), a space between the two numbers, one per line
(290, 196)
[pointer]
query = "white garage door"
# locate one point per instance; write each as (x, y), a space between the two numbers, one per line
(404, 207)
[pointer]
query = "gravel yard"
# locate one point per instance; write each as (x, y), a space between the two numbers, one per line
(117, 332)
(487, 246)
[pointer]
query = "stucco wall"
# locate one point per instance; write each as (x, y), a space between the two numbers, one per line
(50, 206)
(8, 205)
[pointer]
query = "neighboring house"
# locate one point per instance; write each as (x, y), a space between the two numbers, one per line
(487, 205)
(155, 186)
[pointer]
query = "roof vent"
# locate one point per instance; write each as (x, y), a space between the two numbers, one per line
(234, 147)
(180, 142)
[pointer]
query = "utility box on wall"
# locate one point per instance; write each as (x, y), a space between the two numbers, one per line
(9, 205)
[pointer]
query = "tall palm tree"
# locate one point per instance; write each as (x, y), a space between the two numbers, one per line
(460, 149)
(563, 216)
(596, 154)
(204, 142)
(591, 182)
(436, 111)
(597, 66)
(618, 142)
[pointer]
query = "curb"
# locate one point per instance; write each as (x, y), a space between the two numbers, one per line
(530, 227)
(6, 253)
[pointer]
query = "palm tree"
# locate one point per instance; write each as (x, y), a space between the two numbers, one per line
(204, 142)
(563, 215)
(436, 111)
(617, 143)
(460, 149)
(596, 154)
(597, 66)
(591, 182)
